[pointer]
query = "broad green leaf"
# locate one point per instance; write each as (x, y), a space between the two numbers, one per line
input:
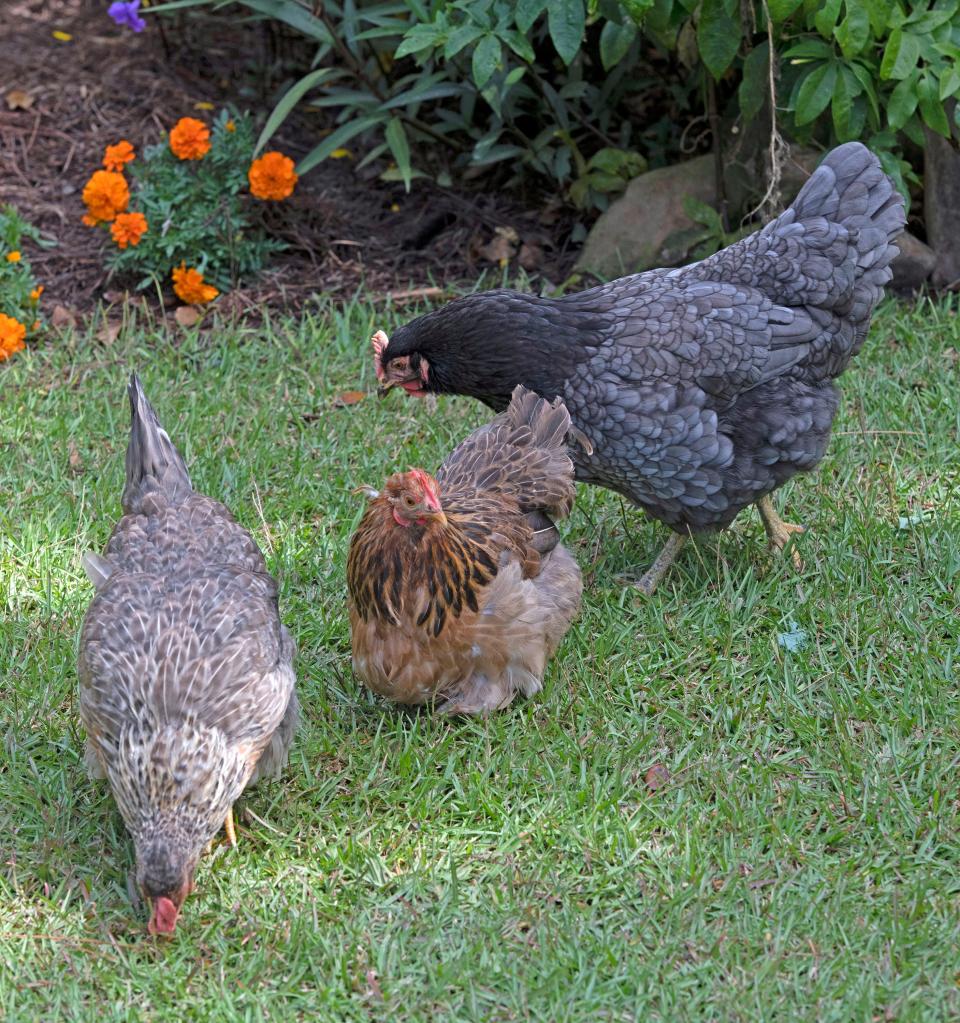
(815, 93)
(903, 101)
(931, 109)
(780, 10)
(718, 37)
(527, 13)
(877, 11)
(396, 138)
(841, 106)
(420, 37)
(486, 57)
(755, 84)
(637, 9)
(335, 140)
(615, 41)
(826, 17)
(900, 56)
(519, 44)
(288, 101)
(461, 37)
(700, 213)
(867, 79)
(853, 33)
(809, 49)
(294, 15)
(566, 21)
(949, 83)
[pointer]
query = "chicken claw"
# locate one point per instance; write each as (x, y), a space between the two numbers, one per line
(779, 531)
(651, 579)
(231, 831)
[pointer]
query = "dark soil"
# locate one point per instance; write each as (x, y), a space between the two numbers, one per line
(346, 231)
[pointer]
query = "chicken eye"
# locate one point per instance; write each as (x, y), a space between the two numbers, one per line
(408, 501)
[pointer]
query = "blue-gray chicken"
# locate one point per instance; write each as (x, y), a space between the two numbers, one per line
(700, 389)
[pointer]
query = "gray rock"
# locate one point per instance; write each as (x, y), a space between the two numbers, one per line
(632, 234)
(647, 226)
(914, 265)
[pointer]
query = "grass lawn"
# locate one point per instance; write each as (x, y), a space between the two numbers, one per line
(802, 862)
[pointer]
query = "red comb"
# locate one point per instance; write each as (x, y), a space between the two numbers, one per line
(429, 485)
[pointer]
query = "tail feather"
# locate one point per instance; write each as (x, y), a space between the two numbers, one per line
(153, 463)
(851, 189)
(522, 454)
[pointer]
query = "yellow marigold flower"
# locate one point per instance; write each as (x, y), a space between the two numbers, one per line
(272, 176)
(190, 139)
(115, 158)
(36, 293)
(106, 194)
(189, 287)
(231, 125)
(13, 257)
(128, 229)
(12, 333)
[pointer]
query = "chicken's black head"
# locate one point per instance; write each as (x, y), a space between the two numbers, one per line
(482, 345)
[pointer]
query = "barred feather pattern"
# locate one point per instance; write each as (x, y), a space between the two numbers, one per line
(186, 672)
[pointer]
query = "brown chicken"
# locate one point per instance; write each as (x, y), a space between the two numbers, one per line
(186, 673)
(460, 590)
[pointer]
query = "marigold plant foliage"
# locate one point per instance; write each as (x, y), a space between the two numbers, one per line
(20, 294)
(188, 215)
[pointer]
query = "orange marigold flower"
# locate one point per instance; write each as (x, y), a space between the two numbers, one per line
(36, 325)
(190, 139)
(12, 333)
(115, 158)
(128, 229)
(189, 286)
(13, 257)
(272, 176)
(106, 194)
(36, 293)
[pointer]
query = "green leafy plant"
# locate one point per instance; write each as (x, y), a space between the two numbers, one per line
(199, 212)
(19, 291)
(445, 86)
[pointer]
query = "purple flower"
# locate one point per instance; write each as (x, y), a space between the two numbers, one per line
(126, 14)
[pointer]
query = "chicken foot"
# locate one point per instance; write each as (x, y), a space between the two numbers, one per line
(779, 531)
(651, 579)
(231, 831)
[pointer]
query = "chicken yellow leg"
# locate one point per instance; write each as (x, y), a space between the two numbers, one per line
(779, 531)
(650, 580)
(230, 829)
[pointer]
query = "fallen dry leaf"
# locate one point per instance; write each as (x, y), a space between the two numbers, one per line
(109, 333)
(63, 317)
(346, 398)
(373, 986)
(17, 99)
(530, 256)
(656, 777)
(187, 315)
(502, 246)
(73, 456)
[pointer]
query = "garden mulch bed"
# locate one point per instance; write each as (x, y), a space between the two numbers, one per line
(62, 102)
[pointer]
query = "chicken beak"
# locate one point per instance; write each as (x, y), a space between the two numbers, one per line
(386, 386)
(440, 517)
